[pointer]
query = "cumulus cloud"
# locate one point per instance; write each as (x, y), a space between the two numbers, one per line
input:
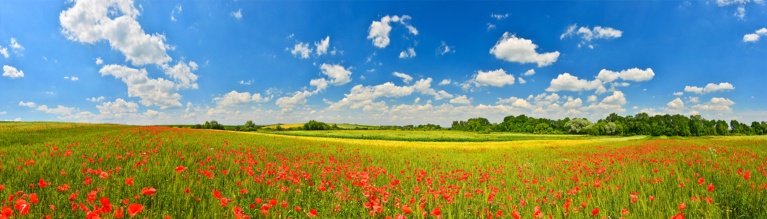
(301, 50)
(587, 35)
(754, 37)
(288, 103)
(15, 46)
(676, 104)
(409, 53)
(182, 74)
(158, 92)
(91, 21)
(716, 104)
(632, 74)
(117, 109)
(363, 96)
(567, 82)
(573, 103)
(680, 93)
(741, 9)
(235, 98)
(379, 30)
(99, 61)
(496, 78)
(710, 87)
(322, 46)
(460, 100)
(338, 74)
(405, 78)
(27, 104)
(4, 52)
(529, 72)
(11, 72)
(514, 49)
(444, 82)
(320, 84)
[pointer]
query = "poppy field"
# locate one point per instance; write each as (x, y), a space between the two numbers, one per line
(111, 171)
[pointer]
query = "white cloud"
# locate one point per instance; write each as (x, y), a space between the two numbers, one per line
(676, 104)
(338, 74)
(741, 9)
(445, 49)
(117, 109)
(496, 78)
(3, 113)
(72, 78)
(423, 86)
(360, 94)
(91, 21)
(569, 82)
(320, 84)
(95, 99)
(710, 87)
(632, 74)
(716, 104)
(405, 78)
(521, 80)
(680, 93)
(237, 14)
(500, 16)
(754, 37)
(409, 53)
(490, 26)
(460, 100)
(301, 50)
(529, 72)
(235, 98)
(176, 10)
(514, 49)
(15, 46)
(288, 103)
(158, 92)
(182, 74)
(379, 30)
(59, 110)
(248, 82)
(27, 104)
(444, 82)
(693, 99)
(4, 52)
(591, 98)
(99, 61)
(616, 99)
(587, 35)
(573, 103)
(11, 72)
(322, 46)
(741, 13)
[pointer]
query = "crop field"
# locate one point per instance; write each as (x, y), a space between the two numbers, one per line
(441, 136)
(111, 171)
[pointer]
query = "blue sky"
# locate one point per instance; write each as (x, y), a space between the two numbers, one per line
(404, 62)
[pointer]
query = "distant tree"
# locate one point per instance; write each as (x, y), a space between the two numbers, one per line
(249, 126)
(207, 125)
(279, 128)
(575, 126)
(314, 125)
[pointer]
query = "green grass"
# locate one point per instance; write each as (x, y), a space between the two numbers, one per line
(462, 179)
(442, 136)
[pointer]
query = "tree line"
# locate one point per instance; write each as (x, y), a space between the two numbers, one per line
(614, 124)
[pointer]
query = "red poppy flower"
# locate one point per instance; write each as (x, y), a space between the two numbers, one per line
(710, 187)
(595, 212)
(312, 213)
(134, 209)
(148, 191)
(180, 169)
(682, 206)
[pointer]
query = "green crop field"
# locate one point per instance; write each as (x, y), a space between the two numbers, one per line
(440, 136)
(61, 170)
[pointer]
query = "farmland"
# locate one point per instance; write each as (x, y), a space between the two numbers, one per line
(440, 135)
(65, 170)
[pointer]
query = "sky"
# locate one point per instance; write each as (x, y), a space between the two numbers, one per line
(379, 62)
